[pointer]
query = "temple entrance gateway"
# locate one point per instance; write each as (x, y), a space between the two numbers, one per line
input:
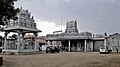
(24, 24)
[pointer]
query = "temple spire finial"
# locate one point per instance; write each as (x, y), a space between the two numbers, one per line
(21, 8)
(32, 17)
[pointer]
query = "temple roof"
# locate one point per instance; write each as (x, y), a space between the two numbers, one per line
(24, 23)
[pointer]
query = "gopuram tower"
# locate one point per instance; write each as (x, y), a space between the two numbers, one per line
(71, 27)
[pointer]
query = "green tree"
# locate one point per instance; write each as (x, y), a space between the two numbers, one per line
(7, 11)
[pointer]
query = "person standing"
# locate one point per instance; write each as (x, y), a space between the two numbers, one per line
(117, 50)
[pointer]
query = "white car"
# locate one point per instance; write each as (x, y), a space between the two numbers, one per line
(104, 50)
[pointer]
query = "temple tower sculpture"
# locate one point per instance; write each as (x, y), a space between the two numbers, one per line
(71, 27)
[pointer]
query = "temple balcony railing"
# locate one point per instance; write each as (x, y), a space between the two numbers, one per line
(67, 36)
(20, 24)
(61, 35)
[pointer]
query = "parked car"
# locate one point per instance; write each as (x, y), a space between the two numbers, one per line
(52, 49)
(104, 49)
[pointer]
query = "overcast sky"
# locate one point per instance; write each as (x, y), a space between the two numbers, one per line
(96, 16)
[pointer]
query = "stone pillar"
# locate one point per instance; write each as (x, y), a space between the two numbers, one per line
(92, 45)
(60, 43)
(105, 42)
(78, 46)
(69, 45)
(23, 34)
(85, 45)
(35, 40)
(18, 43)
(5, 42)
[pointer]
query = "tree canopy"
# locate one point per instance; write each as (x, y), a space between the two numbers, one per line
(7, 11)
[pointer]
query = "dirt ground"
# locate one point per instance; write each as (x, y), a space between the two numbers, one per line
(63, 59)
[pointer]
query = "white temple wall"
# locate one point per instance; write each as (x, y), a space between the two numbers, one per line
(114, 42)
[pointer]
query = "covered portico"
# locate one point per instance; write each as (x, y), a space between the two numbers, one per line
(20, 44)
(23, 25)
(72, 44)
